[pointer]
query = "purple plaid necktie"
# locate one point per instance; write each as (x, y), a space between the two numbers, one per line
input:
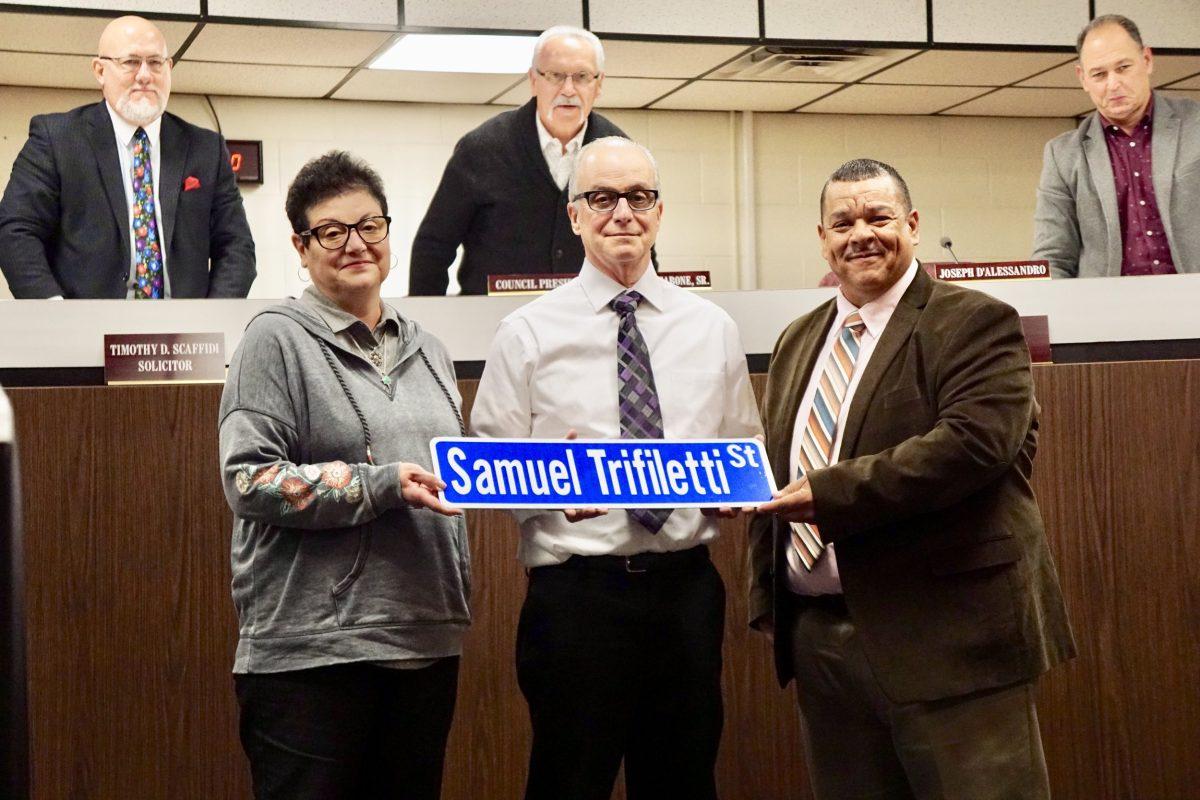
(148, 270)
(641, 416)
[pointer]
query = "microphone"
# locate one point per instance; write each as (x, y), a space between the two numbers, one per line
(948, 245)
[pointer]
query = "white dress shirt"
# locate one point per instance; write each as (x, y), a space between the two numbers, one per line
(559, 162)
(553, 367)
(824, 579)
(124, 132)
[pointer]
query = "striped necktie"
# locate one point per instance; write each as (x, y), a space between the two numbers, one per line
(816, 445)
(637, 397)
(148, 272)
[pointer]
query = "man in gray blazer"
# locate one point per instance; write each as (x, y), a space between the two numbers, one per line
(1116, 193)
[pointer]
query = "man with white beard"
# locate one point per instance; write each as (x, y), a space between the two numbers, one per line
(503, 195)
(177, 227)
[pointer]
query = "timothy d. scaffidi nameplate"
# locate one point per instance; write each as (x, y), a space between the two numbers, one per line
(164, 358)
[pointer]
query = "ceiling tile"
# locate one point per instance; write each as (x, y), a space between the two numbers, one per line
(1027, 103)
(1166, 70)
(253, 44)
(664, 60)
(809, 65)
(1190, 83)
(369, 12)
(258, 80)
(743, 96)
(868, 99)
(38, 69)
(424, 87)
(967, 68)
(47, 33)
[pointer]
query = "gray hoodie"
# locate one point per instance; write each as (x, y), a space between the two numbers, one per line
(330, 565)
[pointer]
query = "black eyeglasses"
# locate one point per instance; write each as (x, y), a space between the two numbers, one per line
(334, 235)
(132, 64)
(604, 200)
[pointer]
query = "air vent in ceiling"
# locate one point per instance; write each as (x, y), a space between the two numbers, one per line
(824, 64)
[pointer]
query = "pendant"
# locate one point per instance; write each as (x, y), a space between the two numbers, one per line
(387, 379)
(376, 358)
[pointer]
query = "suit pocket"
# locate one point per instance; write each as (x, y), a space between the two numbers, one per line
(975, 556)
(902, 396)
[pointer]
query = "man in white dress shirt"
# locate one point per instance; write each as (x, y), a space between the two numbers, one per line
(619, 644)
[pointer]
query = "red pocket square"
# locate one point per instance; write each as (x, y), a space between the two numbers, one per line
(191, 182)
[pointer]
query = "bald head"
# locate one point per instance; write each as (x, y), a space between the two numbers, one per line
(133, 68)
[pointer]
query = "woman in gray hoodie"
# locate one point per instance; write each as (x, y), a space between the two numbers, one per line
(350, 575)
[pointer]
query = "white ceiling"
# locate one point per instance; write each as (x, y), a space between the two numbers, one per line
(52, 50)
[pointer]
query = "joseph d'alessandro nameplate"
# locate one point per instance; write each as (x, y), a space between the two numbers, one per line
(164, 358)
(602, 473)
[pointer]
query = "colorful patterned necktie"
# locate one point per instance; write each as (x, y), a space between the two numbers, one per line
(641, 416)
(148, 269)
(816, 445)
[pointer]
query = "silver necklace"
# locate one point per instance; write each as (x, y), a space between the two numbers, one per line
(377, 358)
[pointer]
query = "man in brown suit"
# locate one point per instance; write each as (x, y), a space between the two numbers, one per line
(903, 568)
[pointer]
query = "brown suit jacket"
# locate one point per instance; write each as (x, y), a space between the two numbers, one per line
(940, 545)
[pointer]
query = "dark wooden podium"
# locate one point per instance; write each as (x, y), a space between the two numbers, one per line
(131, 630)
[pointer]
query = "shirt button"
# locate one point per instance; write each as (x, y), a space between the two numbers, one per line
(1149, 233)
(1141, 202)
(558, 253)
(1137, 174)
(1133, 144)
(1156, 262)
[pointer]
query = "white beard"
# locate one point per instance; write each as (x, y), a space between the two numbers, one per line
(139, 112)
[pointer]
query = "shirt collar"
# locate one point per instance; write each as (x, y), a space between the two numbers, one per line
(600, 289)
(877, 312)
(546, 140)
(339, 320)
(125, 129)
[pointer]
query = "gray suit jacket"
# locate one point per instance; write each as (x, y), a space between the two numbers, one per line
(1077, 227)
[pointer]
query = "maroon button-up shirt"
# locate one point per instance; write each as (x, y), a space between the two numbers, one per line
(1144, 241)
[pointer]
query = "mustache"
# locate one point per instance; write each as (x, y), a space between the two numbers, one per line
(567, 101)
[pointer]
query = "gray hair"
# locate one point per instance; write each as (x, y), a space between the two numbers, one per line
(1109, 19)
(610, 140)
(562, 31)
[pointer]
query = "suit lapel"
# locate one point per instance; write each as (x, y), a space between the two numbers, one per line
(895, 336)
(1095, 150)
(792, 390)
(104, 146)
(531, 145)
(173, 144)
(1164, 149)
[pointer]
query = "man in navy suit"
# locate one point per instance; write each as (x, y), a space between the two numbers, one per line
(121, 200)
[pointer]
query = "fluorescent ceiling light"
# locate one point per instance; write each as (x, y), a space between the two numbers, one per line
(428, 52)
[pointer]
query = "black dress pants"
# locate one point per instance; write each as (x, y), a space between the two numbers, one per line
(348, 731)
(621, 659)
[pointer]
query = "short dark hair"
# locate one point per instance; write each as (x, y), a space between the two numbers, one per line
(862, 169)
(327, 176)
(1109, 19)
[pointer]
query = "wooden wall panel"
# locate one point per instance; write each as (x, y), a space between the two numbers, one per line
(131, 630)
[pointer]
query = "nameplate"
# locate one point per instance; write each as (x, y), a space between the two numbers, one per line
(700, 280)
(602, 473)
(164, 358)
(989, 270)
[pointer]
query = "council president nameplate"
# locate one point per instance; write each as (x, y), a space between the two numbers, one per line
(602, 473)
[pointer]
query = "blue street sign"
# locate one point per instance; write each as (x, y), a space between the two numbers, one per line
(602, 473)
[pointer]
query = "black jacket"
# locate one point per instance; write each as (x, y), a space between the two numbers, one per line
(64, 223)
(498, 199)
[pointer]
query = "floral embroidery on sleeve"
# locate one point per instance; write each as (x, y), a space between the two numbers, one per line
(297, 486)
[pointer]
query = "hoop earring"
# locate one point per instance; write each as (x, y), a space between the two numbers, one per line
(395, 260)
(301, 273)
